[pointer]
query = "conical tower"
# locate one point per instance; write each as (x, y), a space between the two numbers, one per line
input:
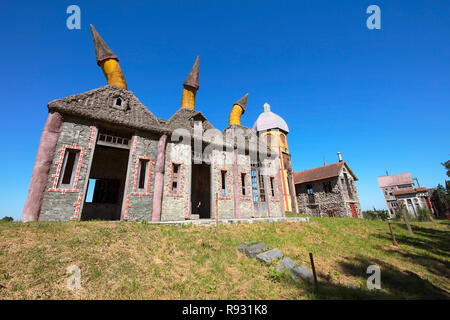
(190, 87)
(108, 61)
(237, 110)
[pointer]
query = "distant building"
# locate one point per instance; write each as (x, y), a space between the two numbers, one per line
(328, 191)
(400, 187)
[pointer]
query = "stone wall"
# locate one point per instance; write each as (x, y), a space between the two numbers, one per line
(353, 196)
(246, 203)
(335, 203)
(325, 203)
(223, 160)
(138, 202)
(60, 203)
(177, 206)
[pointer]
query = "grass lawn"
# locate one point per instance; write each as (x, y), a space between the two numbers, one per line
(140, 261)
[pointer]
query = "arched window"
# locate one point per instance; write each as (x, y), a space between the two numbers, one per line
(269, 139)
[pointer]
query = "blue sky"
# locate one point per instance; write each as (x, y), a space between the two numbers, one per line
(381, 97)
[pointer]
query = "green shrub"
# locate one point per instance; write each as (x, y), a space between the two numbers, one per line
(423, 214)
(375, 214)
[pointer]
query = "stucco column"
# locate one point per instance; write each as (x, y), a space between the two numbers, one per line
(236, 186)
(41, 169)
(159, 178)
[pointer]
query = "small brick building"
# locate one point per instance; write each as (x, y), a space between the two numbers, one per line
(104, 155)
(328, 191)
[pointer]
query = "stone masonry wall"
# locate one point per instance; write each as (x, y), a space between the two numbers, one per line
(177, 206)
(324, 202)
(223, 160)
(354, 194)
(246, 202)
(139, 202)
(61, 204)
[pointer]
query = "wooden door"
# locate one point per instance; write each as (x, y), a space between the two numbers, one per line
(352, 207)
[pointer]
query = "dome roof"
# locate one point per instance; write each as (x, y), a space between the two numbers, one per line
(269, 120)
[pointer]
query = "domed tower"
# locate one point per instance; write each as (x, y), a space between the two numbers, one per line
(272, 129)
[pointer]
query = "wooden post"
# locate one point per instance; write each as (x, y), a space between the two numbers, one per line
(313, 270)
(405, 216)
(394, 242)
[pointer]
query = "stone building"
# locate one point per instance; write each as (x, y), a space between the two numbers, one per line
(273, 130)
(104, 155)
(328, 191)
(400, 187)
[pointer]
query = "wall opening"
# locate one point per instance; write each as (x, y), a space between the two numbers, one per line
(104, 195)
(70, 159)
(201, 190)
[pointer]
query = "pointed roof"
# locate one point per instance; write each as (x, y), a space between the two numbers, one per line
(102, 51)
(192, 79)
(184, 118)
(242, 102)
(320, 173)
(101, 105)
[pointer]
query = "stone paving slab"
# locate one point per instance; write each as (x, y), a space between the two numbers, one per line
(245, 245)
(269, 256)
(296, 270)
(255, 249)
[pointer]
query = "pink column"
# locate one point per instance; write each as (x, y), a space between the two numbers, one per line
(236, 186)
(280, 188)
(159, 178)
(44, 159)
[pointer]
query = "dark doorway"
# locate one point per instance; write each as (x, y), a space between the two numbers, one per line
(103, 200)
(201, 190)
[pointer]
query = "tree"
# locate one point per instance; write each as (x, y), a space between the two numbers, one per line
(405, 214)
(7, 219)
(447, 167)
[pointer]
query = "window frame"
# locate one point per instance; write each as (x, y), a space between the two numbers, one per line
(62, 174)
(178, 184)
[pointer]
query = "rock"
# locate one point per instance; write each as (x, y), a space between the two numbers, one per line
(286, 263)
(253, 250)
(295, 270)
(269, 256)
(304, 273)
(245, 245)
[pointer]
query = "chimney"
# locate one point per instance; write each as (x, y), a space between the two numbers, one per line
(339, 156)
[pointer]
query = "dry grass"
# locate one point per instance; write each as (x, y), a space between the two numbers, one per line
(141, 261)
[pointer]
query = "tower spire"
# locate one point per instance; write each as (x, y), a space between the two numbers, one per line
(192, 79)
(190, 86)
(108, 61)
(237, 110)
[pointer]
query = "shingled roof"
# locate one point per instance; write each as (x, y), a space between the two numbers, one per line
(408, 191)
(320, 173)
(100, 104)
